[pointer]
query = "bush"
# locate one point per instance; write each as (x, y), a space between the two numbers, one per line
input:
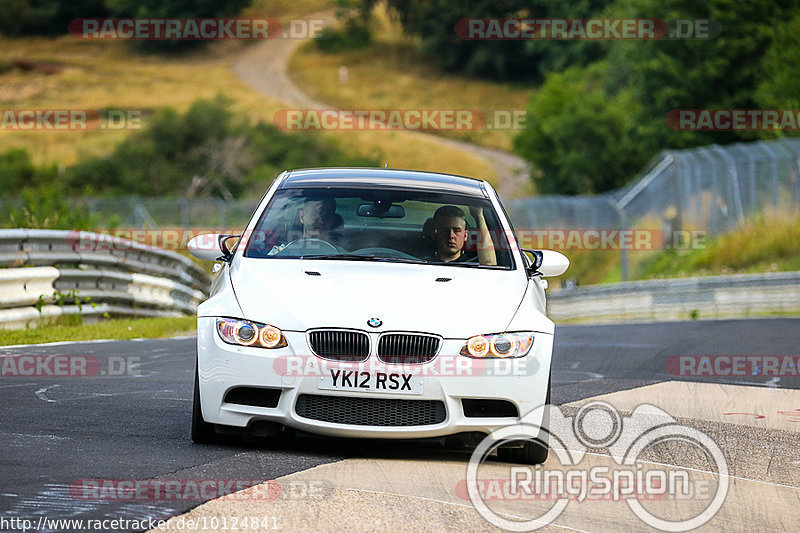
(207, 151)
(18, 172)
(353, 35)
(49, 208)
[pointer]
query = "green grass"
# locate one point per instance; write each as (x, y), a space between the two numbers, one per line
(118, 329)
(764, 244)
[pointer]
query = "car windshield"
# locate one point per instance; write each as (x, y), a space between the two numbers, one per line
(380, 225)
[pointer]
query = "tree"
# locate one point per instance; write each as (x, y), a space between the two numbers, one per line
(612, 115)
(159, 9)
(581, 138)
(434, 21)
(45, 17)
(781, 77)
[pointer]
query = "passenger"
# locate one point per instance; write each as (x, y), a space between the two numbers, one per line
(450, 234)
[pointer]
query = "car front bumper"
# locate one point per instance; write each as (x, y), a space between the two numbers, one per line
(448, 378)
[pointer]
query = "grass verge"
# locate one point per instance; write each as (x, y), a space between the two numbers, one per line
(117, 329)
(763, 244)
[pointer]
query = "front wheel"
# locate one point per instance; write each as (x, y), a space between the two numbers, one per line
(532, 452)
(202, 431)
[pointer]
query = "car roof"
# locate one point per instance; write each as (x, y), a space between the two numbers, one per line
(379, 178)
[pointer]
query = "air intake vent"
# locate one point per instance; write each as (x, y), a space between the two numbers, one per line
(339, 345)
(255, 396)
(370, 411)
(407, 348)
(479, 408)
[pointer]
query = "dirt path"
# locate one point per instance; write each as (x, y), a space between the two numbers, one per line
(264, 68)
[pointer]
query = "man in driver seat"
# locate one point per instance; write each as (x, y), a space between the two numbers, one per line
(317, 218)
(450, 234)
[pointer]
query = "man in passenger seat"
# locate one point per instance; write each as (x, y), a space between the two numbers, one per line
(450, 233)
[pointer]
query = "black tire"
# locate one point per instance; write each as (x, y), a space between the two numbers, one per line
(202, 431)
(532, 452)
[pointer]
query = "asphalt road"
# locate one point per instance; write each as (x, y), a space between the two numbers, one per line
(58, 431)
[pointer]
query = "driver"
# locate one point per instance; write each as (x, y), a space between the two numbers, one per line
(317, 218)
(450, 234)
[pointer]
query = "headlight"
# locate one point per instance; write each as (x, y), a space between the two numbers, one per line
(502, 345)
(246, 333)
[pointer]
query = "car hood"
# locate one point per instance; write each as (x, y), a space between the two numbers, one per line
(296, 295)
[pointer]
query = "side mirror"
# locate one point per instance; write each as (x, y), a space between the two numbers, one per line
(547, 263)
(211, 247)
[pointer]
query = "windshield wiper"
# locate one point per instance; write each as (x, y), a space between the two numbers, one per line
(357, 257)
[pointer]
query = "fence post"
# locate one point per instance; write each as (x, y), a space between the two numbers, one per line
(774, 159)
(737, 198)
(622, 223)
(796, 174)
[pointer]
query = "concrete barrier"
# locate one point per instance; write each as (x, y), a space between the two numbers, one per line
(92, 275)
(679, 299)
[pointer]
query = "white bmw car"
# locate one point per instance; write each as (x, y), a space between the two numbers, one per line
(374, 303)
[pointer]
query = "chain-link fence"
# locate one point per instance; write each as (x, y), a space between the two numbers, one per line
(713, 189)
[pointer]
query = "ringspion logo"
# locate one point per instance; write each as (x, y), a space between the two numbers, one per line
(687, 499)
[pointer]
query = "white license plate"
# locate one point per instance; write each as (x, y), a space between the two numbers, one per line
(359, 380)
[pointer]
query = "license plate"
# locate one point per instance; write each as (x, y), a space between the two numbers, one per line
(357, 380)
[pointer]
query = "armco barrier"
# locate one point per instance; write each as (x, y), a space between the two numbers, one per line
(679, 299)
(107, 276)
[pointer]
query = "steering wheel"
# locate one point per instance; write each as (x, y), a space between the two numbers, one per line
(309, 245)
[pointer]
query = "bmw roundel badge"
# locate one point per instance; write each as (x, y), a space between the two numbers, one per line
(374, 322)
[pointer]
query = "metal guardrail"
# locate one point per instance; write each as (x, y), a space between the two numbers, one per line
(679, 299)
(94, 275)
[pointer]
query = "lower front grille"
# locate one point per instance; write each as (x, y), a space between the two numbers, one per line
(370, 411)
